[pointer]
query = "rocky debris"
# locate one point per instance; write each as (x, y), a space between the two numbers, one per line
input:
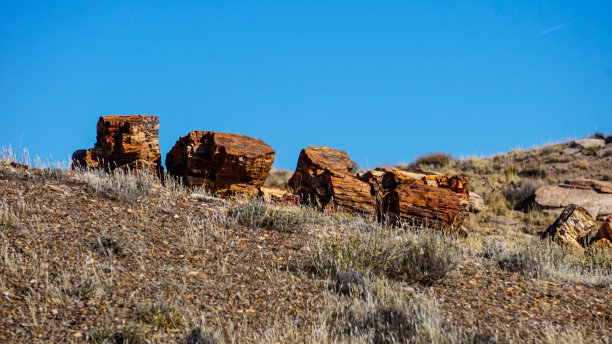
(277, 194)
(605, 151)
(602, 244)
(323, 177)
(571, 227)
(477, 203)
(415, 203)
(593, 195)
(228, 164)
(589, 143)
(124, 142)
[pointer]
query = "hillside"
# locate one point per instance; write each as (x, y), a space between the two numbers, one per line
(112, 258)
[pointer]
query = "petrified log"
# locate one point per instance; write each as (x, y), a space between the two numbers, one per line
(414, 203)
(124, 142)
(605, 231)
(571, 227)
(277, 194)
(322, 177)
(226, 163)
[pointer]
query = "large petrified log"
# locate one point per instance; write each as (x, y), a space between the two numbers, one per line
(226, 163)
(416, 203)
(571, 227)
(323, 177)
(124, 142)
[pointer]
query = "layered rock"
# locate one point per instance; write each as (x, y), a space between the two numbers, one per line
(416, 203)
(323, 177)
(228, 164)
(124, 142)
(572, 227)
(593, 195)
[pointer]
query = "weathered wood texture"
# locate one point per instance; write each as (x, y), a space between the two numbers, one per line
(322, 176)
(124, 142)
(226, 163)
(414, 203)
(571, 227)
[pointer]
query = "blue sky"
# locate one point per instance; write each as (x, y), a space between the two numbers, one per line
(385, 80)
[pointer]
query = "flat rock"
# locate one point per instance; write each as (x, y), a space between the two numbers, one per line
(589, 142)
(572, 226)
(124, 142)
(571, 151)
(228, 164)
(592, 195)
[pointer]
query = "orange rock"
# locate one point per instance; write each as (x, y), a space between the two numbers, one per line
(426, 205)
(226, 163)
(124, 142)
(276, 194)
(323, 177)
(605, 231)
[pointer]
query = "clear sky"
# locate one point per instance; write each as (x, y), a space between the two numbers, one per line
(385, 80)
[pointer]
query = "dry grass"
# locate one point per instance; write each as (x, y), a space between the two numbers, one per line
(278, 177)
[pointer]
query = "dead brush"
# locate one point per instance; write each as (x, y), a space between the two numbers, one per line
(127, 335)
(109, 246)
(257, 214)
(119, 185)
(7, 216)
(412, 256)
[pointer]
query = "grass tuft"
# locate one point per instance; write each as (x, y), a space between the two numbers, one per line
(161, 315)
(255, 213)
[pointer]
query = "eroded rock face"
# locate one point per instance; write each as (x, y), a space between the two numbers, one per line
(571, 227)
(226, 163)
(420, 204)
(124, 142)
(593, 195)
(605, 231)
(323, 177)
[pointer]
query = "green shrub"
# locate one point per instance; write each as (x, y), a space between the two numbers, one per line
(520, 194)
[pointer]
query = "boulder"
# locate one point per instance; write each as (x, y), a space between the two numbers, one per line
(124, 142)
(589, 142)
(570, 151)
(593, 195)
(416, 203)
(605, 231)
(277, 194)
(605, 151)
(477, 203)
(323, 177)
(228, 164)
(571, 227)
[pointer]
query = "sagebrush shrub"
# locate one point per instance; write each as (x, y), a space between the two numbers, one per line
(435, 159)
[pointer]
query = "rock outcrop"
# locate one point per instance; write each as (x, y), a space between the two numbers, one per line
(228, 164)
(605, 231)
(124, 142)
(477, 203)
(572, 227)
(593, 195)
(323, 177)
(589, 143)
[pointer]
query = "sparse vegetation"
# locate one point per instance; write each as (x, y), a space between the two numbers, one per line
(259, 214)
(161, 315)
(7, 217)
(409, 256)
(435, 160)
(278, 177)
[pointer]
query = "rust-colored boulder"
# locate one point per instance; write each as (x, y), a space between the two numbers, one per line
(605, 231)
(415, 203)
(226, 163)
(277, 194)
(323, 177)
(571, 227)
(124, 142)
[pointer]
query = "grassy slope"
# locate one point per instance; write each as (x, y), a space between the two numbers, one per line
(110, 259)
